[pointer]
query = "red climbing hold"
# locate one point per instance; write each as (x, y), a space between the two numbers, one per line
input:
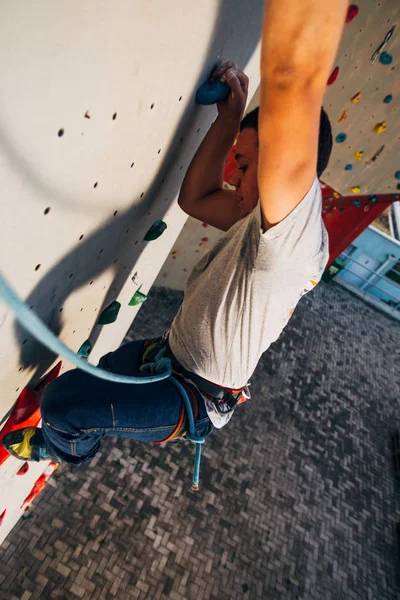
(206, 239)
(3, 514)
(205, 224)
(351, 13)
(26, 412)
(333, 76)
(24, 469)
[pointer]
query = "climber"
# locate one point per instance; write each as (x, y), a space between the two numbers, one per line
(240, 295)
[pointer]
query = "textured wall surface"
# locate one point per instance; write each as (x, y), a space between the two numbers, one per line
(374, 82)
(97, 126)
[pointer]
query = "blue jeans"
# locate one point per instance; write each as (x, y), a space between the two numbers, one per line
(78, 409)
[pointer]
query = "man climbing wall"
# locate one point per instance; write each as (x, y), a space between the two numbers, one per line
(241, 294)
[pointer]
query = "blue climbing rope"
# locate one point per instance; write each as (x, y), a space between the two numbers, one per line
(161, 368)
(161, 363)
(41, 332)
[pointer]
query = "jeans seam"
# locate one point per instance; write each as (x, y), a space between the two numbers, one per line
(112, 414)
(133, 429)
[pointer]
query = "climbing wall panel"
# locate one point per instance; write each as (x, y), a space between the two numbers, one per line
(97, 127)
(363, 102)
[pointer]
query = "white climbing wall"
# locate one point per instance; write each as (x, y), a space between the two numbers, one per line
(97, 128)
(362, 35)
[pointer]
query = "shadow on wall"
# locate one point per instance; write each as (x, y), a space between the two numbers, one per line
(237, 31)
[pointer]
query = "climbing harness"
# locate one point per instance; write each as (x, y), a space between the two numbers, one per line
(160, 369)
(160, 361)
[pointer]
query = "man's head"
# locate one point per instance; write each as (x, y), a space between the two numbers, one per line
(245, 176)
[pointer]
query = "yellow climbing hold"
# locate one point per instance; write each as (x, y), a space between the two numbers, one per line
(359, 154)
(356, 98)
(355, 190)
(336, 194)
(380, 127)
(343, 116)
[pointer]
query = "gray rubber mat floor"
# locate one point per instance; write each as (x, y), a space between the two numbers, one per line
(297, 496)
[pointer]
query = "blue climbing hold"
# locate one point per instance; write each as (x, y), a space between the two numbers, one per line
(386, 58)
(397, 174)
(210, 93)
(348, 167)
(387, 99)
(85, 350)
(373, 199)
(341, 137)
(356, 202)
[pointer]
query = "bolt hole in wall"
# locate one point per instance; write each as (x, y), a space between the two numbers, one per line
(37, 267)
(152, 106)
(96, 184)
(132, 165)
(47, 210)
(60, 132)
(81, 236)
(115, 213)
(114, 116)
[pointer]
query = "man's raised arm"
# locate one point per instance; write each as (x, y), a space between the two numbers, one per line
(299, 43)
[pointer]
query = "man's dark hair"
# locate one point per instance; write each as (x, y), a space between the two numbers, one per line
(250, 121)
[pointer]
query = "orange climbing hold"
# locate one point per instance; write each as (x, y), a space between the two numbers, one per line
(356, 98)
(343, 116)
(380, 127)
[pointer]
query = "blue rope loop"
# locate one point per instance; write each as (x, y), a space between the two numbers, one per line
(160, 369)
(161, 364)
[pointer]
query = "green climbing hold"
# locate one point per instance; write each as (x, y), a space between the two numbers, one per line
(85, 350)
(155, 230)
(109, 314)
(137, 298)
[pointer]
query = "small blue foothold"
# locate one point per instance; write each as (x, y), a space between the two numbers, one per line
(386, 58)
(210, 93)
(387, 99)
(348, 168)
(341, 137)
(373, 199)
(397, 174)
(356, 202)
(85, 350)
